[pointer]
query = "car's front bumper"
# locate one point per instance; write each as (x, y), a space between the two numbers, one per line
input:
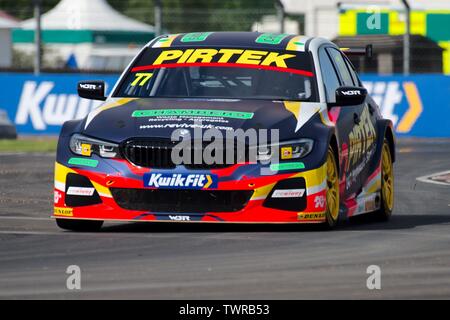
(243, 195)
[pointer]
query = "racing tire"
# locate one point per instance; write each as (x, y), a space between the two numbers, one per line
(79, 225)
(387, 184)
(332, 196)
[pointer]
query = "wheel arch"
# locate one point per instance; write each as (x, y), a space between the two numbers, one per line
(386, 131)
(333, 142)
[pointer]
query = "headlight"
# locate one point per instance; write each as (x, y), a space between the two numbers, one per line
(286, 150)
(85, 146)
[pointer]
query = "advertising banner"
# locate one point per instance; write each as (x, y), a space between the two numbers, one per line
(40, 105)
(418, 105)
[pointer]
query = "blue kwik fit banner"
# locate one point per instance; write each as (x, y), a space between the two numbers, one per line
(418, 105)
(40, 105)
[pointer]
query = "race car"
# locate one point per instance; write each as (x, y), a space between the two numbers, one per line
(302, 139)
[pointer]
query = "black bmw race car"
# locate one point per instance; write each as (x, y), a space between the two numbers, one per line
(302, 140)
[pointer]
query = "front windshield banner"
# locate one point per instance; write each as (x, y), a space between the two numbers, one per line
(220, 73)
(287, 61)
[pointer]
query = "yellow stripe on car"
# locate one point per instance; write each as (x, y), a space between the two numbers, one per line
(107, 106)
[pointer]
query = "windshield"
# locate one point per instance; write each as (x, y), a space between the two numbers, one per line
(227, 73)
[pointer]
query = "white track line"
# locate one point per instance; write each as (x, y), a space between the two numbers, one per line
(426, 178)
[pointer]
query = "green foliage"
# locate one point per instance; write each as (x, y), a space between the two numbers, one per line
(178, 15)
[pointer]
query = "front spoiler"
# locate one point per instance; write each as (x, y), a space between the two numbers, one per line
(253, 213)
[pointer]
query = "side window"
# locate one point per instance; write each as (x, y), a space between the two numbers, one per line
(353, 73)
(329, 76)
(341, 66)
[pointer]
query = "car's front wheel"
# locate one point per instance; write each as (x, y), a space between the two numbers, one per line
(332, 211)
(79, 225)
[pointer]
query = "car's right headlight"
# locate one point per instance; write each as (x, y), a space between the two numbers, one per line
(85, 146)
(287, 150)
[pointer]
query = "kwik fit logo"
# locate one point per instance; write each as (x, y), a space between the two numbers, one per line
(40, 106)
(180, 181)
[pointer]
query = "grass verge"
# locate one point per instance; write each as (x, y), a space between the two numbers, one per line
(29, 145)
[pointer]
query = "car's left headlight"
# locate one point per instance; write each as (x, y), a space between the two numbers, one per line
(287, 150)
(85, 146)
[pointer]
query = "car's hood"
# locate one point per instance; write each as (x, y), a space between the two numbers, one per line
(121, 119)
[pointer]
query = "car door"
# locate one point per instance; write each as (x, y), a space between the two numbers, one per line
(369, 117)
(335, 73)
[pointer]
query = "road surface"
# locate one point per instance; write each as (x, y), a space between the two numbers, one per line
(182, 261)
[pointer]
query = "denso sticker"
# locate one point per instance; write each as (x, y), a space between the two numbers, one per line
(180, 181)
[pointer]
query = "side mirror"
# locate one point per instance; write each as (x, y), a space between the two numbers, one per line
(350, 96)
(93, 90)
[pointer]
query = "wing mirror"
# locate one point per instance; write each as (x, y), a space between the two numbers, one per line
(93, 90)
(350, 96)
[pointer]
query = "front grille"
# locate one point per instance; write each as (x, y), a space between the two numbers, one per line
(181, 201)
(157, 154)
(150, 154)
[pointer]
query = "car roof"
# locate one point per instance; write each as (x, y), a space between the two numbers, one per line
(257, 40)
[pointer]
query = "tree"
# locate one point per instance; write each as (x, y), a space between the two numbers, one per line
(178, 15)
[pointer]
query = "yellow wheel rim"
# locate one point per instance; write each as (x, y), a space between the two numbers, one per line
(387, 178)
(332, 187)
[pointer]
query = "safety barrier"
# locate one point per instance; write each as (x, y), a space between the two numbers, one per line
(419, 105)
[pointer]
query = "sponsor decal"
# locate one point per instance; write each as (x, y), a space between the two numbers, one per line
(192, 112)
(180, 181)
(351, 93)
(86, 149)
(270, 38)
(179, 218)
(286, 153)
(195, 37)
(141, 79)
(83, 162)
(289, 193)
(65, 212)
(319, 202)
(81, 191)
(87, 86)
(311, 216)
(361, 139)
(184, 126)
(57, 196)
(287, 166)
(279, 61)
(370, 205)
(252, 57)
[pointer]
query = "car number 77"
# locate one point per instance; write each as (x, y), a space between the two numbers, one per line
(141, 79)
